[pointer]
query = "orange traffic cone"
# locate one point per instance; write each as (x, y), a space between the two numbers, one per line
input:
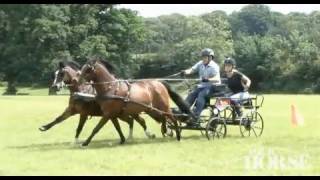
(296, 117)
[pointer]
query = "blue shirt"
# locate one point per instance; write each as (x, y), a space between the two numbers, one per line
(207, 72)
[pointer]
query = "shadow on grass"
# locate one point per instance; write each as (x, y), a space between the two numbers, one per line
(98, 144)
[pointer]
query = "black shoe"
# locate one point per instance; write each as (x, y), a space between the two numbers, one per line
(240, 114)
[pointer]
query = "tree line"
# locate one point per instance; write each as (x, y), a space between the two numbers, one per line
(280, 53)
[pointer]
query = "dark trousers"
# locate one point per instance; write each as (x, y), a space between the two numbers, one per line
(199, 95)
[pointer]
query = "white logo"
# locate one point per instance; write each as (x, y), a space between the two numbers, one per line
(269, 159)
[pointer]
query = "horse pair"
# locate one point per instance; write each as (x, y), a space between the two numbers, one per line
(115, 99)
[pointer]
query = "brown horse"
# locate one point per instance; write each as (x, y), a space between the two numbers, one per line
(68, 73)
(119, 98)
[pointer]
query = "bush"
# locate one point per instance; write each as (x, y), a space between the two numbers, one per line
(316, 86)
(306, 91)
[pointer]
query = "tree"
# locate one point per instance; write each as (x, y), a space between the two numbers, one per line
(251, 20)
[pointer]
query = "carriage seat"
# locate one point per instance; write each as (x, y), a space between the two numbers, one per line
(220, 90)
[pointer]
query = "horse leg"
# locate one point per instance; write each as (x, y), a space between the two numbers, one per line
(175, 123)
(129, 120)
(65, 115)
(156, 116)
(82, 121)
(101, 123)
(118, 128)
(142, 122)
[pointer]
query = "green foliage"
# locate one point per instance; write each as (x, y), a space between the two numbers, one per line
(278, 52)
(33, 38)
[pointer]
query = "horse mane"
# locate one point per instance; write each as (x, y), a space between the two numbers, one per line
(73, 64)
(110, 67)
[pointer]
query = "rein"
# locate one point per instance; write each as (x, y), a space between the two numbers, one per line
(137, 80)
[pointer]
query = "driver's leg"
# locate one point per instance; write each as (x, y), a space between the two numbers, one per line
(237, 99)
(192, 96)
(201, 100)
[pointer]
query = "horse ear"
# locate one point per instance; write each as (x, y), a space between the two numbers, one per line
(96, 62)
(61, 65)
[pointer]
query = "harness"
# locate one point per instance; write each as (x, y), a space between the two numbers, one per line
(126, 99)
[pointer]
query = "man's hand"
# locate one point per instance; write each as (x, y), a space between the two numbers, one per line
(245, 87)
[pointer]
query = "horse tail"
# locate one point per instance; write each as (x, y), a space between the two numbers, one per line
(177, 99)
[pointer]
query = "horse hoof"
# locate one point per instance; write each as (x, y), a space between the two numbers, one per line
(43, 129)
(84, 144)
(81, 146)
(122, 141)
(153, 136)
(170, 134)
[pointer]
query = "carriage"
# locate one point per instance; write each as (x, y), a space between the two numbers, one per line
(218, 115)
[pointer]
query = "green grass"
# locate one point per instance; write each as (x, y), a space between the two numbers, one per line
(24, 150)
(34, 91)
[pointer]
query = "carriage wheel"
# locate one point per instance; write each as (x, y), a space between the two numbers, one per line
(252, 123)
(227, 114)
(216, 128)
(207, 115)
(203, 133)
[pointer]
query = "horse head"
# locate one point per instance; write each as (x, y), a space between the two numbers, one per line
(97, 69)
(67, 73)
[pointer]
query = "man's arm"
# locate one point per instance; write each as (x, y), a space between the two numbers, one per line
(188, 71)
(215, 79)
(246, 82)
(192, 69)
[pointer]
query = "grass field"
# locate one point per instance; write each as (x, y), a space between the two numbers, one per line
(286, 150)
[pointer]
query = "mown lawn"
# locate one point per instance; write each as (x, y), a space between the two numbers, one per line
(285, 150)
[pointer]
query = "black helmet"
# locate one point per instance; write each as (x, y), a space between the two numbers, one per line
(207, 52)
(231, 61)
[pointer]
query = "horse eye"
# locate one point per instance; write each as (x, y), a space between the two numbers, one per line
(60, 74)
(89, 69)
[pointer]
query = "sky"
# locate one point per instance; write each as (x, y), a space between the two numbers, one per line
(154, 10)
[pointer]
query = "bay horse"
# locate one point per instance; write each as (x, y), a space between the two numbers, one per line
(68, 73)
(120, 98)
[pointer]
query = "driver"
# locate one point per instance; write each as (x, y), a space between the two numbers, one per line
(209, 73)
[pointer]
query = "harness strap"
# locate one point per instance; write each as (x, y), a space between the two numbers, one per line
(127, 98)
(115, 97)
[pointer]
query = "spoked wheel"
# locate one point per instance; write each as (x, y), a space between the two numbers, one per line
(203, 133)
(227, 114)
(251, 124)
(221, 130)
(207, 114)
(216, 128)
